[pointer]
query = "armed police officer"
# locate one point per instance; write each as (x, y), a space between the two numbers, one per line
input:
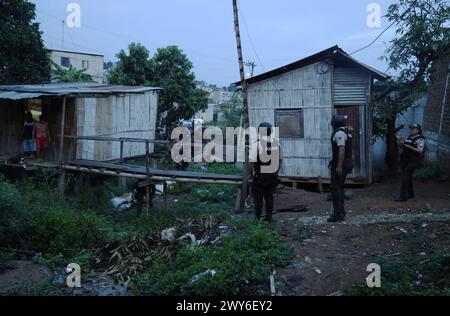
(412, 158)
(341, 165)
(265, 170)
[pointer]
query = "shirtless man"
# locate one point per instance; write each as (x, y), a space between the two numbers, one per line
(41, 134)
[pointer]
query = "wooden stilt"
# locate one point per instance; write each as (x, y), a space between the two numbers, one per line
(165, 193)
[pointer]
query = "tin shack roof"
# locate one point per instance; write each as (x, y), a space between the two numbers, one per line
(332, 52)
(79, 89)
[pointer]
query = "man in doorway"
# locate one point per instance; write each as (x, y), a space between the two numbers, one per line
(341, 165)
(29, 144)
(413, 157)
(265, 170)
(41, 134)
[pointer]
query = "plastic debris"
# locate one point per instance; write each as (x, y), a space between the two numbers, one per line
(169, 234)
(297, 266)
(197, 277)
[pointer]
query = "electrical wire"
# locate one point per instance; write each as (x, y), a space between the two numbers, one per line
(250, 38)
(128, 37)
(384, 31)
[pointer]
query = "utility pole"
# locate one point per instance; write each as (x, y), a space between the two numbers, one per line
(252, 66)
(240, 203)
(63, 29)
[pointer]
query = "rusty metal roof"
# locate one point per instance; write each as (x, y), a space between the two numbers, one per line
(30, 91)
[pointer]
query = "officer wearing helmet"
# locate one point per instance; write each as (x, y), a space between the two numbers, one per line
(265, 170)
(412, 158)
(341, 165)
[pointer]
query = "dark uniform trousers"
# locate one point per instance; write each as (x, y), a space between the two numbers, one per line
(407, 190)
(263, 193)
(338, 191)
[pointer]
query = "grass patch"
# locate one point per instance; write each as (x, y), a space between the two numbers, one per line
(248, 254)
(430, 171)
(411, 276)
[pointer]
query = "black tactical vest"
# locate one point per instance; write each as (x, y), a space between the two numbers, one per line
(348, 160)
(409, 156)
(264, 179)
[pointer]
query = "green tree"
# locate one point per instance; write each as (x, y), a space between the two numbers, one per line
(232, 115)
(169, 69)
(421, 38)
(134, 68)
(23, 58)
(71, 74)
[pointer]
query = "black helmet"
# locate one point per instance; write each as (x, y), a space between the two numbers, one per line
(417, 126)
(339, 121)
(265, 125)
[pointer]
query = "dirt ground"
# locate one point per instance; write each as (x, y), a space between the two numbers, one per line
(330, 258)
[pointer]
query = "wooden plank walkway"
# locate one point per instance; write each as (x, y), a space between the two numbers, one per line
(139, 172)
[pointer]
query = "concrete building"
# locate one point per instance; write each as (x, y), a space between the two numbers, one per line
(92, 63)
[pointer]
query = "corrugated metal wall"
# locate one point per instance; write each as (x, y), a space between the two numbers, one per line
(350, 86)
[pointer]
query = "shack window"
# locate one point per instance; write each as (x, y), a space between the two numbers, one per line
(85, 64)
(290, 123)
(65, 61)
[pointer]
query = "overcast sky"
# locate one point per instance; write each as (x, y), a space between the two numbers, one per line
(282, 31)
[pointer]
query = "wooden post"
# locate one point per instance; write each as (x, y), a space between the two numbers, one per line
(61, 134)
(147, 167)
(62, 176)
(244, 190)
(320, 185)
(166, 207)
(121, 151)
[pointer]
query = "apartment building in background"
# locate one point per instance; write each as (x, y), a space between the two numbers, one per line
(92, 63)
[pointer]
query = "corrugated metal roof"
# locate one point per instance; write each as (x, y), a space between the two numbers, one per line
(328, 53)
(11, 95)
(28, 91)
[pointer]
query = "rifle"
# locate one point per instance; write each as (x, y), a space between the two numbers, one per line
(398, 129)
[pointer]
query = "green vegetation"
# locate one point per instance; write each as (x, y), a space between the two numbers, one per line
(70, 74)
(428, 172)
(170, 69)
(84, 230)
(411, 276)
(23, 57)
(249, 254)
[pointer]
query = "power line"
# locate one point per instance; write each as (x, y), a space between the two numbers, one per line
(250, 38)
(375, 40)
(385, 30)
(128, 37)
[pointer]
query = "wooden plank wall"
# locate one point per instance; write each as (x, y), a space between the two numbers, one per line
(12, 114)
(128, 116)
(305, 89)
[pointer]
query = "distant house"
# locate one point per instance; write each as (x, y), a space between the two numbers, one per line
(301, 98)
(437, 113)
(92, 63)
(93, 110)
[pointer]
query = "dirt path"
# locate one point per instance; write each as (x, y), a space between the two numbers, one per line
(330, 258)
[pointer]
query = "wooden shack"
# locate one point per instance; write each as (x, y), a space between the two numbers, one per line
(91, 110)
(301, 98)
